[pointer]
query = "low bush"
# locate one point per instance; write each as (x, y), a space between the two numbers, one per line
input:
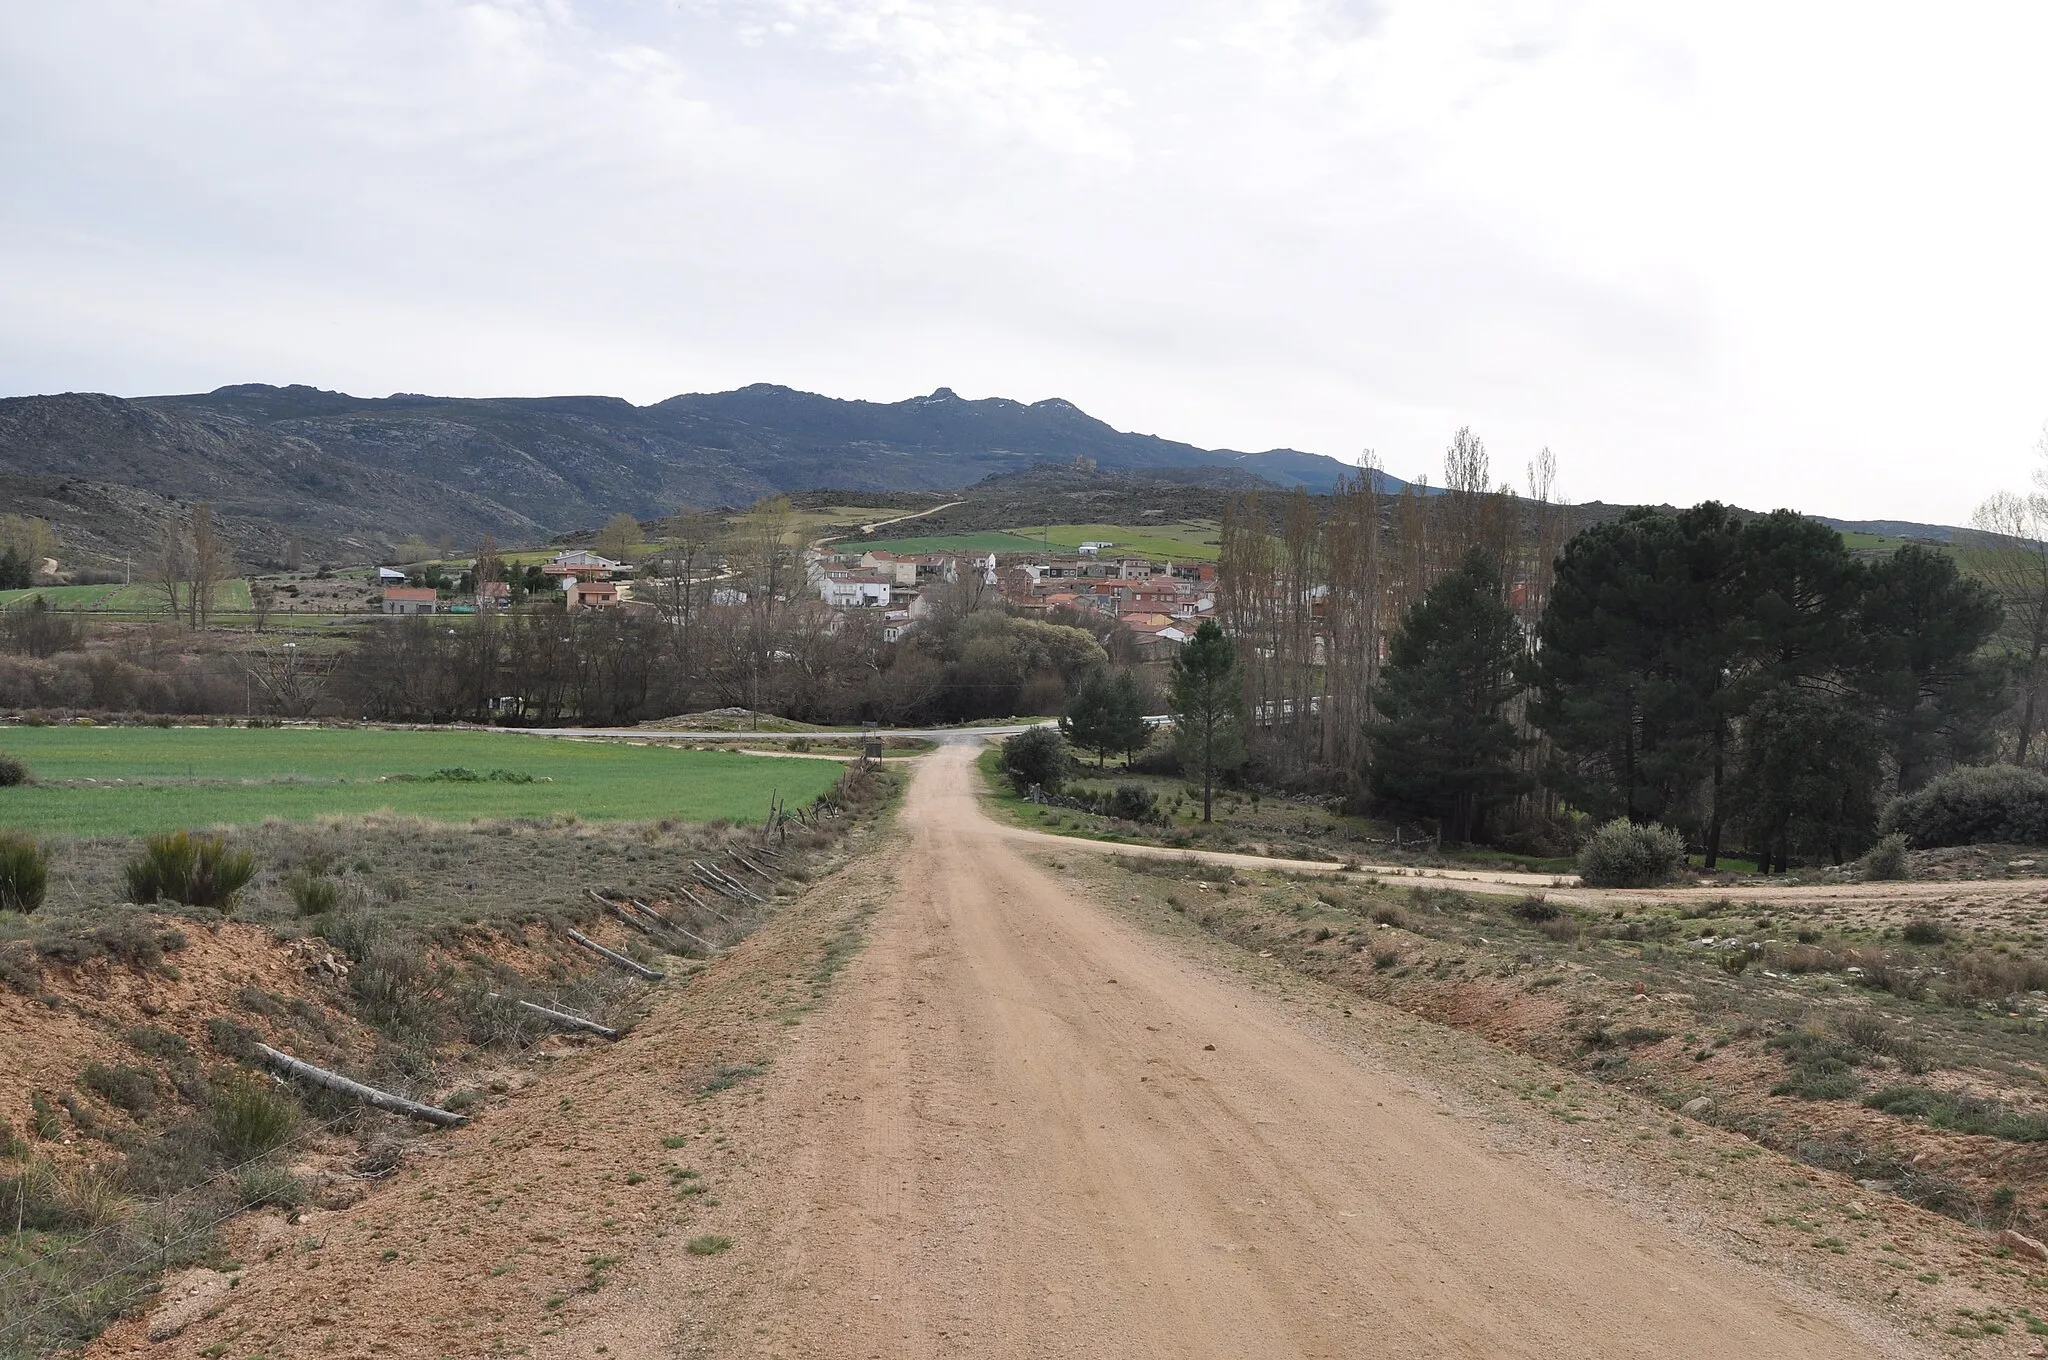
(24, 872)
(1536, 907)
(1960, 1113)
(1885, 862)
(1134, 803)
(1822, 1066)
(1982, 804)
(1986, 975)
(1924, 932)
(127, 1088)
(13, 773)
(251, 1117)
(314, 893)
(272, 1186)
(1039, 756)
(130, 938)
(197, 871)
(1622, 854)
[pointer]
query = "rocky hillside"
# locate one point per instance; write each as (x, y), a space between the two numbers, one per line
(108, 473)
(347, 474)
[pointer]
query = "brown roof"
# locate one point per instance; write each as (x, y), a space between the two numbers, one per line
(413, 594)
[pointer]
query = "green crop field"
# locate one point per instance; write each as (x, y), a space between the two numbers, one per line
(229, 597)
(1179, 541)
(59, 597)
(131, 781)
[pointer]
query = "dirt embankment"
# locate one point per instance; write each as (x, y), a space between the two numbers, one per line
(1043, 1112)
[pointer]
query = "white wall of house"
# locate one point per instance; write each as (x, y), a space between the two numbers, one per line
(844, 594)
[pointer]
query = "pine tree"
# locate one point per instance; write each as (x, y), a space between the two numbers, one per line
(1924, 628)
(1126, 726)
(1639, 639)
(1208, 705)
(1809, 777)
(1443, 745)
(1086, 723)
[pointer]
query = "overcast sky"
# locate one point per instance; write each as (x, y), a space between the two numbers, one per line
(1777, 253)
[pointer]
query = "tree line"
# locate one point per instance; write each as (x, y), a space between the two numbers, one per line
(1743, 678)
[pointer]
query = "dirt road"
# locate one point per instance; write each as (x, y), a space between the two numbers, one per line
(1024, 1127)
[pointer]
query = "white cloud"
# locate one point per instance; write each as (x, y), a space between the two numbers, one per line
(1779, 254)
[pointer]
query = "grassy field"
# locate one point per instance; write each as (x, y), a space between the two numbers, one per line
(230, 597)
(1181, 541)
(130, 781)
(1282, 827)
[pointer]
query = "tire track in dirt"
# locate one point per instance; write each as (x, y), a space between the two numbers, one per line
(1025, 1127)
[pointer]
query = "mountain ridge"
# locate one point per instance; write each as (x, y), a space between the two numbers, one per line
(346, 476)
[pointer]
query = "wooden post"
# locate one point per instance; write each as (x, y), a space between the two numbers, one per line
(753, 866)
(369, 1095)
(559, 1017)
(633, 922)
(652, 975)
(701, 904)
(733, 881)
(673, 928)
(724, 882)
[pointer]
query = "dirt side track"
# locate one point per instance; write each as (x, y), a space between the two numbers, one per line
(1017, 1126)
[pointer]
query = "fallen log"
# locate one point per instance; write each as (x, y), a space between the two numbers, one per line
(559, 1017)
(725, 883)
(731, 881)
(652, 975)
(701, 904)
(368, 1095)
(632, 921)
(755, 867)
(674, 929)
(645, 910)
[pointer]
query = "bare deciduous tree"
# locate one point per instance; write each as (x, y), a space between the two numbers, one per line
(2010, 553)
(170, 567)
(207, 565)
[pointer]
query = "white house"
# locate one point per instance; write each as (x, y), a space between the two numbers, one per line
(582, 560)
(856, 592)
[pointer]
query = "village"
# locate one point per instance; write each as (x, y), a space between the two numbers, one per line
(1160, 602)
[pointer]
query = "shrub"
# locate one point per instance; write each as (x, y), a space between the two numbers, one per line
(12, 772)
(251, 1117)
(1624, 855)
(1134, 803)
(314, 893)
(128, 1088)
(1886, 861)
(197, 871)
(1925, 932)
(1537, 908)
(1037, 755)
(24, 872)
(1822, 1066)
(1960, 1113)
(1988, 803)
(271, 1186)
